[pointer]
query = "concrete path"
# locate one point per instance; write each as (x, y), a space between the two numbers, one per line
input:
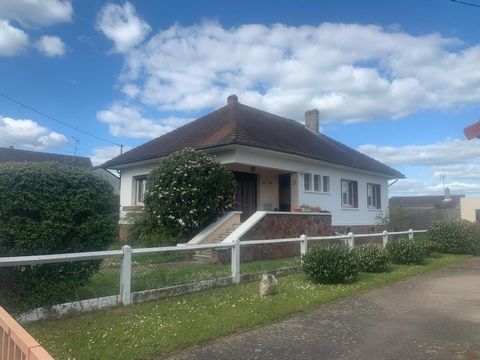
(431, 316)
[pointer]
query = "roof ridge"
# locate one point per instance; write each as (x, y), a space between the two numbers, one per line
(235, 120)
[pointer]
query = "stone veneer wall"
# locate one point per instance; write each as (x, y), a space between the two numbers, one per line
(279, 226)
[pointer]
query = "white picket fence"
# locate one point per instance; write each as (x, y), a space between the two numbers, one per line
(126, 254)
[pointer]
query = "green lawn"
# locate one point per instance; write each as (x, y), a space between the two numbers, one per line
(148, 330)
(148, 276)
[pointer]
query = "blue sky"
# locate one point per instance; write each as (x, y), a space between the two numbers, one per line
(398, 80)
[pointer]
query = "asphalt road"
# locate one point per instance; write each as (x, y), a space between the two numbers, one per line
(431, 316)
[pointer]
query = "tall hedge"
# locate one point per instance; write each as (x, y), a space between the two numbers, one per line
(189, 190)
(455, 236)
(48, 208)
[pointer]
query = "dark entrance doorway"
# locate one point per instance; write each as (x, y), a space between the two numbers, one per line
(245, 194)
(284, 192)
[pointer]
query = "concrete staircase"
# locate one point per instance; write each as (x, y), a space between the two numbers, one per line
(205, 255)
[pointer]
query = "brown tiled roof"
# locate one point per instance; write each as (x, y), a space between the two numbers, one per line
(16, 155)
(240, 124)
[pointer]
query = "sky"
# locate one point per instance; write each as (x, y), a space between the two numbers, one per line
(396, 80)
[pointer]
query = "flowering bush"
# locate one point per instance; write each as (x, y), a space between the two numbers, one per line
(455, 236)
(372, 258)
(330, 264)
(188, 191)
(404, 251)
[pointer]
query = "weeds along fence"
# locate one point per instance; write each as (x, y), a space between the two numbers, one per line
(223, 275)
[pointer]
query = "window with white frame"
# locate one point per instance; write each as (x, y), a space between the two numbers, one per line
(349, 193)
(373, 196)
(140, 186)
(307, 182)
(326, 184)
(316, 183)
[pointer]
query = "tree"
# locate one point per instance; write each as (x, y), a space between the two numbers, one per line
(188, 191)
(50, 208)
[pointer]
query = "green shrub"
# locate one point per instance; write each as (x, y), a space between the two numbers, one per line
(372, 258)
(428, 246)
(188, 191)
(455, 236)
(145, 231)
(404, 251)
(48, 208)
(330, 264)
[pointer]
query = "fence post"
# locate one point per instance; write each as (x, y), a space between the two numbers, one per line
(126, 276)
(303, 246)
(351, 240)
(410, 234)
(236, 261)
(385, 237)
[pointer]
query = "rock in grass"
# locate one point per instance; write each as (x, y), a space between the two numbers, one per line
(268, 285)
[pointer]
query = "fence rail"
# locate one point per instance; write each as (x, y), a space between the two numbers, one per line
(126, 253)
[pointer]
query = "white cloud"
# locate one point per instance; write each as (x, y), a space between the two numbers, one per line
(448, 152)
(51, 46)
(412, 187)
(36, 12)
(28, 134)
(12, 39)
(122, 25)
(103, 154)
(349, 72)
(129, 122)
(462, 171)
(131, 90)
(458, 160)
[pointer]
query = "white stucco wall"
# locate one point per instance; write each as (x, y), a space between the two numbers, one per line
(298, 166)
(332, 201)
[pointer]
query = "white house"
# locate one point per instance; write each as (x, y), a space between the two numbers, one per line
(280, 165)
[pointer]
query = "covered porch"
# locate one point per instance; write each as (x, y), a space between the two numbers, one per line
(262, 188)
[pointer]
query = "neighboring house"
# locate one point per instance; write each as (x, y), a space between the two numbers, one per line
(420, 212)
(279, 164)
(15, 155)
(470, 209)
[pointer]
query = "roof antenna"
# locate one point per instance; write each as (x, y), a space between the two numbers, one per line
(77, 141)
(443, 176)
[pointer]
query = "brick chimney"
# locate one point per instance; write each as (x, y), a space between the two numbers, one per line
(232, 99)
(312, 120)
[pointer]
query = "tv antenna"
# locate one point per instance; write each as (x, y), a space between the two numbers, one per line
(77, 141)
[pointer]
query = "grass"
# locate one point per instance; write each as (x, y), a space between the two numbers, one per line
(149, 330)
(106, 283)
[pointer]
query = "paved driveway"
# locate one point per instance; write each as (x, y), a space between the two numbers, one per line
(431, 316)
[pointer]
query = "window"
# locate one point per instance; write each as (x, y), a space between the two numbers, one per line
(307, 182)
(320, 183)
(316, 182)
(326, 184)
(140, 185)
(349, 193)
(373, 196)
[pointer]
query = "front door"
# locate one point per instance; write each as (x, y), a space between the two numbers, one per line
(245, 194)
(284, 192)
